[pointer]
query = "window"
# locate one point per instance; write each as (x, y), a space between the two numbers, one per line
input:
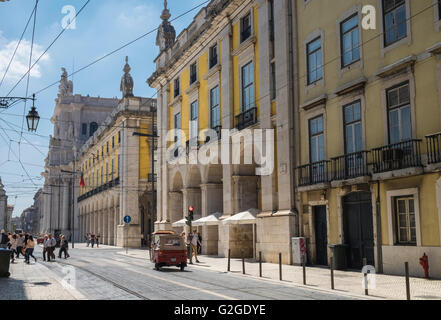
(247, 87)
(214, 108)
(350, 41)
(177, 124)
(316, 139)
(194, 120)
(193, 73)
(398, 105)
(314, 53)
(352, 121)
(93, 128)
(176, 88)
(273, 81)
(113, 168)
(107, 172)
(271, 20)
(107, 147)
(405, 220)
(213, 56)
(439, 9)
(113, 142)
(119, 137)
(84, 129)
(119, 166)
(245, 27)
(394, 19)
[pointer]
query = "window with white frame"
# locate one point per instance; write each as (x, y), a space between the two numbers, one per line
(177, 126)
(247, 87)
(245, 27)
(176, 88)
(350, 41)
(353, 128)
(399, 113)
(316, 139)
(214, 108)
(193, 73)
(404, 212)
(395, 21)
(213, 56)
(194, 120)
(314, 56)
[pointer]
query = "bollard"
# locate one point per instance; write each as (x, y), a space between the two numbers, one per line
(366, 290)
(243, 262)
(304, 272)
(406, 270)
(260, 264)
(332, 273)
(280, 266)
(229, 255)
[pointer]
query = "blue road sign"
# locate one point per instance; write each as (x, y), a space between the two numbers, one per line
(127, 219)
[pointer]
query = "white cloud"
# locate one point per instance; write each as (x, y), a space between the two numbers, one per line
(20, 64)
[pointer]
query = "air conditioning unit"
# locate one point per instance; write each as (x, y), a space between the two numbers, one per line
(391, 155)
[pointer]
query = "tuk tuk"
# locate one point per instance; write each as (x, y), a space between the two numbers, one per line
(168, 249)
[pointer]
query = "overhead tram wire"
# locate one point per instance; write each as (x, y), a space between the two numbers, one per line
(18, 45)
(29, 74)
(47, 49)
(124, 46)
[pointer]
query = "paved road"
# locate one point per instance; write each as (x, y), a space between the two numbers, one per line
(105, 273)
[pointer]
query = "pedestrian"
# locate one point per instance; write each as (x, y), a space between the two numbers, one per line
(4, 240)
(13, 243)
(92, 239)
(87, 239)
(64, 245)
(20, 244)
(194, 244)
(97, 240)
(50, 246)
(44, 247)
(30, 245)
(9, 241)
(199, 243)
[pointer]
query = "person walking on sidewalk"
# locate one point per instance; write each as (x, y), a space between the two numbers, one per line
(50, 247)
(4, 240)
(30, 245)
(92, 239)
(13, 243)
(194, 245)
(20, 244)
(45, 247)
(97, 240)
(63, 248)
(87, 236)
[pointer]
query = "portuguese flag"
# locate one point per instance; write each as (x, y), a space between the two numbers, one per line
(82, 184)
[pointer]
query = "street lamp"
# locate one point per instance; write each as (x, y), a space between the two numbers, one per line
(32, 118)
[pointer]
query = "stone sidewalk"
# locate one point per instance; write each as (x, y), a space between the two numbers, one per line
(386, 286)
(35, 282)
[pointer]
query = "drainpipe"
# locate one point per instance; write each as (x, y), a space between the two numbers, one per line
(379, 240)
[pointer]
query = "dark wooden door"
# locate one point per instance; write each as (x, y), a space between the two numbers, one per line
(358, 229)
(321, 235)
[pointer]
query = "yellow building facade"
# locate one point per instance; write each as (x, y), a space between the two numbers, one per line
(216, 75)
(116, 168)
(369, 101)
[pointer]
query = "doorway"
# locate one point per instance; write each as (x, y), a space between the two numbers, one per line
(321, 235)
(358, 229)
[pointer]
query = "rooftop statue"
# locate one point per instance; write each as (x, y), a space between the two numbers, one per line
(166, 32)
(127, 81)
(65, 88)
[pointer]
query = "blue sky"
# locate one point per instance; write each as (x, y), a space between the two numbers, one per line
(102, 26)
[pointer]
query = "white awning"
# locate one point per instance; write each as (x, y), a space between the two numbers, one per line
(211, 220)
(246, 217)
(180, 223)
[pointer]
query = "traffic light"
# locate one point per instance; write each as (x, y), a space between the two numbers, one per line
(190, 216)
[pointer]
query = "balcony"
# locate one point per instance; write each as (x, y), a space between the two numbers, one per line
(433, 143)
(246, 119)
(99, 189)
(314, 173)
(350, 166)
(398, 156)
(151, 177)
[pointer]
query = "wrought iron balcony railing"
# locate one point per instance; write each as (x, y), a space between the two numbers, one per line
(350, 166)
(246, 118)
(151, 178)
(433, 148)
(99, 189)
(314, 173)
(406, 154)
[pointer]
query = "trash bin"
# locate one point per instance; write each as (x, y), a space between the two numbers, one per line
(339, 254)
(5, 259)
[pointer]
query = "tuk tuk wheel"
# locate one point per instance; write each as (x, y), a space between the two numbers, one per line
(182, 266)
(157, 267)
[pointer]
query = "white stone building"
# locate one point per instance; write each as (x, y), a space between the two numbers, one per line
(75, 119)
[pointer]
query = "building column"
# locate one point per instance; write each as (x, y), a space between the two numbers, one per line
(106, 213)
(115, 223)
(110, 227)
(64, 215)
